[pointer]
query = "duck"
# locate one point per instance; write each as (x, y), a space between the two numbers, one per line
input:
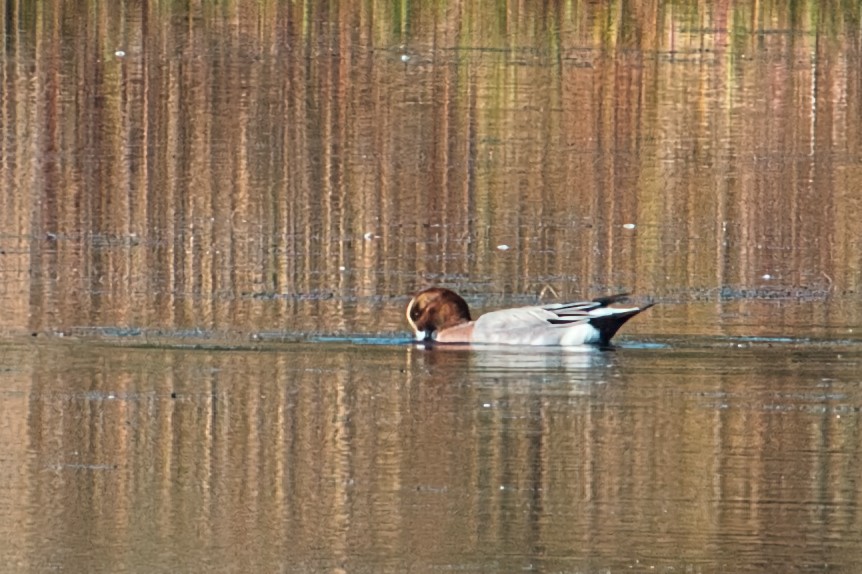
(439, 315)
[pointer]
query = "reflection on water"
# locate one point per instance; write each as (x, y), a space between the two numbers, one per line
(266, 166)
(207, 206)
(493, 365)
(701, 457)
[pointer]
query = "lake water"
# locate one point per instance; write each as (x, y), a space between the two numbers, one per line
(213, 215)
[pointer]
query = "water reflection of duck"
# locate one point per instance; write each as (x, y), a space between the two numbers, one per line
(439, 315)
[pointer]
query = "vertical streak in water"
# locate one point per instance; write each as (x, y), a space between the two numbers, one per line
(812, 136)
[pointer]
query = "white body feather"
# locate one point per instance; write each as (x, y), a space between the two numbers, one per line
(535, 325)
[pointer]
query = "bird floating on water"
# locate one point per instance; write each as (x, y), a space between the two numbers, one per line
(439, 315)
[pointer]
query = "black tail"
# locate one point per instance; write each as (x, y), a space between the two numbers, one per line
(608, 325)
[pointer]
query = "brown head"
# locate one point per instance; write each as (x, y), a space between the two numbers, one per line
(436, 309)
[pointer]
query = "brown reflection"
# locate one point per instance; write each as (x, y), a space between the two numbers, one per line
(270, 166)
(373, 458)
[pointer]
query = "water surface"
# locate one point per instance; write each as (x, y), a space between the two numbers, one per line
(213, 215)
(671, 455)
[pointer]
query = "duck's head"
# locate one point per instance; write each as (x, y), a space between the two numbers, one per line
(435, 309)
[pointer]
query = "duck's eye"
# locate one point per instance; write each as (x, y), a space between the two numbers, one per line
(415, 313)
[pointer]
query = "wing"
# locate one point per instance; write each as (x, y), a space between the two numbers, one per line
(556, 324)
(525, 318)
(579, 311)
(531, 326)
(526, 326)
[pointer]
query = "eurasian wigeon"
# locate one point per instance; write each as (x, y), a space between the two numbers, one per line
(439, 315)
